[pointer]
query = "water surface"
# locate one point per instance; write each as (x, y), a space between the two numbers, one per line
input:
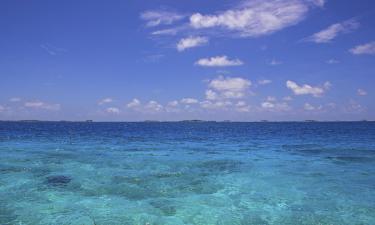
(187, 173)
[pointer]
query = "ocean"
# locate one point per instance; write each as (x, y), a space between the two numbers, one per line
(172, 173)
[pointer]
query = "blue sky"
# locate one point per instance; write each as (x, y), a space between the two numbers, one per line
(172, 60)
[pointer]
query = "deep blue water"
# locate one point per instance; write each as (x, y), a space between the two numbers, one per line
(187, 173)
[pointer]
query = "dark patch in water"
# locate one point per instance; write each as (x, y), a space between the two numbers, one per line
(221, 165)
(304, 149)
(58, 180)
(352, 159)
(165, 206)
(168, 175)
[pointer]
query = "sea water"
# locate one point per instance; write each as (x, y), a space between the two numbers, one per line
(187, 173)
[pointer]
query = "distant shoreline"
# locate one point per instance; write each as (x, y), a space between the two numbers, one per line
(188, 121)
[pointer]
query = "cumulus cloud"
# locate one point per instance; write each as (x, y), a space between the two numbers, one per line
(308, 107)
(254, 18)
(361, 92)
(158, 17)
(153, 106)
(134, 103)
(42, 105)
(331, 32)
(219, 61)
(227, 88)
(306, 89)
(354, 107)
(113, 110)
(242, 106)
(365, 49)
(275, 106)
(221, 104)
(189, 101)
(173, 103)
(191, 42)
(105, 101)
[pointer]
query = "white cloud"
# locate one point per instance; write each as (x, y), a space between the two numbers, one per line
(308, 107)
(268, 105)
(319, 3)
(211, 95)
(215, 104)
(52, 50)
(242, 106)
(219, 61)
(354, 107)
(332, 61)
(331, 32)
(156, 18)
(275, 62)
(2, 108)
(271, 99)
(275, 106)
(306, 89)
(173, 103)
(153, 106)
(264, 82)
(189, 101)
(42, 105)
(227, 87)
(169, 31)
(134, 103)
(105, 101)
(288, 98)
(254, 18)
(113, 110)
(368, 49)
(15, 99)
(191, 42)
(361, 92)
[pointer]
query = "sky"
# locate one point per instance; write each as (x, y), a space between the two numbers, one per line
(170, 60)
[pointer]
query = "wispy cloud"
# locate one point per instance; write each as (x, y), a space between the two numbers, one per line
(306, 89)
(332, 61)
(105, 101)
(365, 49)
(52, 50)
(275, 62)
(15, 99)
(219, 61)
(191, 42)
(42, 105)
(361, 92)
(189, 101)
(254, 18)
(160, 17)
(264, 82)
(331, 32)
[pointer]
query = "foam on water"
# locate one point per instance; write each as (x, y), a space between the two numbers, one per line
(187, 173)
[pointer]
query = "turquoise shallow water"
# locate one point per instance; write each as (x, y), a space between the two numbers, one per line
(187, 173)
